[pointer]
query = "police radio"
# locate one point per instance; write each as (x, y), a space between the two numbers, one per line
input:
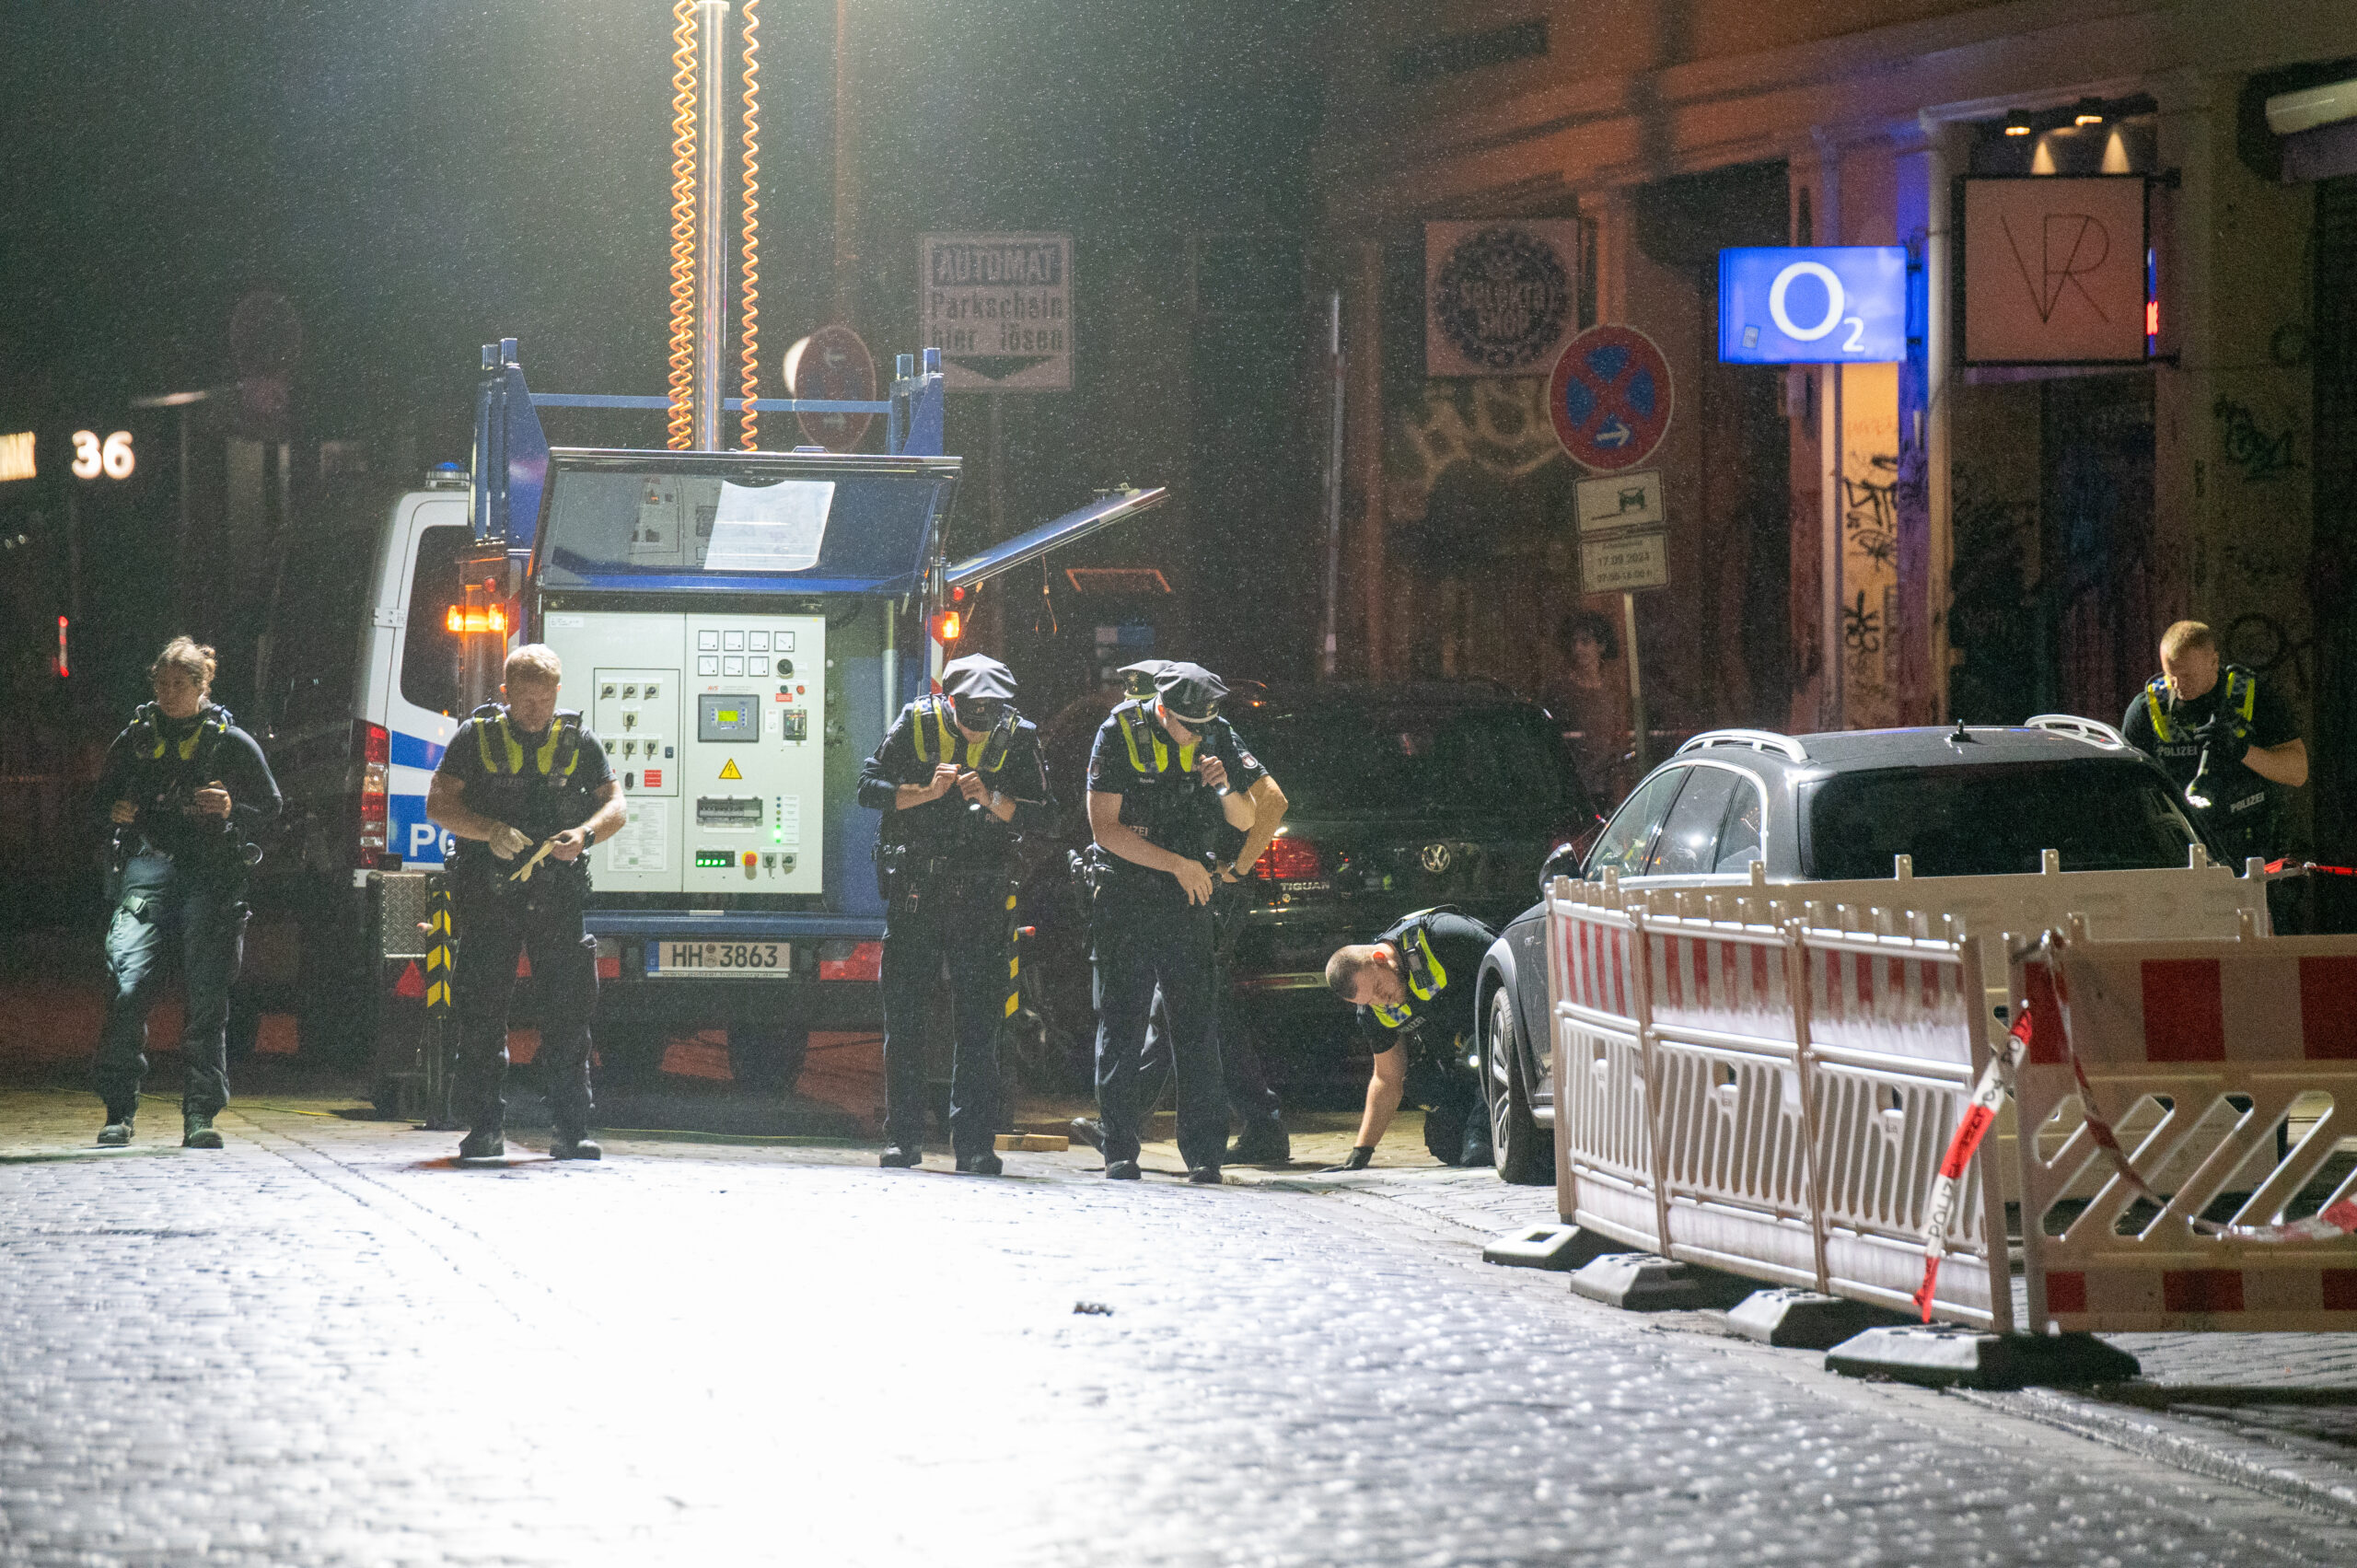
(994, 750)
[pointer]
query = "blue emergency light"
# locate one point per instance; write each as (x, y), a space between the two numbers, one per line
(1813, 305)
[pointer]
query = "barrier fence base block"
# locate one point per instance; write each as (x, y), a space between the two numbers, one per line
(1941, 1356)
(1803, 1319)
(1555, 1247)
(1643, 1282)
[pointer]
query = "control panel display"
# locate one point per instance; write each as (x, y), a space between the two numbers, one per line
(706, 779)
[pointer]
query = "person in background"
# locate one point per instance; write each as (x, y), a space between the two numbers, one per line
(186, 791)
(2228, 738)
(1591, 705)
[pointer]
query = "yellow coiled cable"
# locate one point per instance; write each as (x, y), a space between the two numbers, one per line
(683, 224)
(752, 225)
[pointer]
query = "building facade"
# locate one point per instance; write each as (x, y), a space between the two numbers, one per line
(1866, 544)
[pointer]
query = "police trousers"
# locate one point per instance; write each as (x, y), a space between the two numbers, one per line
(156, 901)
(1146, 939)
(493, 923)
(965, 925)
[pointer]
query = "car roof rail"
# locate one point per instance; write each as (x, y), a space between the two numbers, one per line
(2094, 731)
(1784, 746)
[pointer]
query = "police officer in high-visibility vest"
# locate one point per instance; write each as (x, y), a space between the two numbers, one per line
(1261, 1137)
(2226, 737)
(525, 789)
(1413, 988)
(1163, 778)
(959, 778)
(185, 791)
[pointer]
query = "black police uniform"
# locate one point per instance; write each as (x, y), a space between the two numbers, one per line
(2237, 713)
(540, 785)
(948, 879)
(174, 870)
(1145, 932)
(1440, 965)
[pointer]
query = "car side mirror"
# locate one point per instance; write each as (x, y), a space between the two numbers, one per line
(1564, 860)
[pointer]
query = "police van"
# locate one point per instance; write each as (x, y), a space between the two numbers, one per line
(739, 628)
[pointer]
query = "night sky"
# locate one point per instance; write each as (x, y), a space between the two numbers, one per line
(418, 176)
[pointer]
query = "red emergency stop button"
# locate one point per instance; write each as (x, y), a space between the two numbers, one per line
(752, 860)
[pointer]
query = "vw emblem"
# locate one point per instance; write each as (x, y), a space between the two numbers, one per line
(1436, 858)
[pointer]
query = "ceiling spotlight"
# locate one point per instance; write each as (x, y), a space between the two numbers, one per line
(2089, 111)
(2017, 124)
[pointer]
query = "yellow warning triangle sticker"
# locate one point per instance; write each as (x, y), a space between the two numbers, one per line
(729, 771)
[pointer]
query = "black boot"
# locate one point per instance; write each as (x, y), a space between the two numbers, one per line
(483, 1144)
(566, 1147)
(197, 1130)
(1261, 1143)
(901, 1157)
(983, 1164)
(117, 1131)
(1085, 1129)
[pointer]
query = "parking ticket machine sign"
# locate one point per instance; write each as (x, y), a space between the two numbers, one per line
(1821, 305)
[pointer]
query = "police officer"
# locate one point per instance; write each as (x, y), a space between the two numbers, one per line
(1413, 988)
(187, 790)
(1163, 777)
(958, 778)
(2224, 737)
(1261, 1136)
(525, 789)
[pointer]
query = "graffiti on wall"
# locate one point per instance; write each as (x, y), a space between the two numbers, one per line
(1499, 426)
(2260, 453)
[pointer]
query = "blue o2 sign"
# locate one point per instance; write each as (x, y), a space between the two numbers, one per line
(1822, 305)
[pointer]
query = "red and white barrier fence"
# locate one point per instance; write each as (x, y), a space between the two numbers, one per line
(1743, 1083)
(2207, 1212)
(1766, 1097)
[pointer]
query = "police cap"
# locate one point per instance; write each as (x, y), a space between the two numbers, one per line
(1137, 679)
(1189, 692)
(980, 685)
(978, 675)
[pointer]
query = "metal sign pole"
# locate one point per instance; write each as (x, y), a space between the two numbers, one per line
(1327, 652)
(1637, 725)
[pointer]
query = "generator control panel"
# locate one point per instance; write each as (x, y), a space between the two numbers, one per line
(714, 725)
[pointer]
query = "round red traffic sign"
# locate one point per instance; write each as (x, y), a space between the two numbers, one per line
(833, 364)
(1609, 398)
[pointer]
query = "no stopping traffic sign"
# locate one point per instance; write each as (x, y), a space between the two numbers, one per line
(1609, 398)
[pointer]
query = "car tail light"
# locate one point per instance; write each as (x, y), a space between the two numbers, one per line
(375, 778)
(864, 961)
(1289, 860)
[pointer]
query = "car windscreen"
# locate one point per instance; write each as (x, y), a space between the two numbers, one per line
(1993, 820)
(1425, 761)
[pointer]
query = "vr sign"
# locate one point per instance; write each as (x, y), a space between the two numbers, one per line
(1824, 305)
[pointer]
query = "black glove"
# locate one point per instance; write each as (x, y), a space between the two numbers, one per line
(2225, 743)
(1357, 1160)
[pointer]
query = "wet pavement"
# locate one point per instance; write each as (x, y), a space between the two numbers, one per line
(329, 1343)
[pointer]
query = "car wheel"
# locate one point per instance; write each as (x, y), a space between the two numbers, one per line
(1526, 1157)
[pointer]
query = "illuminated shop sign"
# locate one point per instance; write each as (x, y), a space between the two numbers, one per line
(1813, 305)
(17, 456)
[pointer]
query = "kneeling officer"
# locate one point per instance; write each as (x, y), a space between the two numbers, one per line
(958, 778)
(525, 789)
(1413, 988)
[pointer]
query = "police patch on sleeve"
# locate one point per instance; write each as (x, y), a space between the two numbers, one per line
(1246, 759)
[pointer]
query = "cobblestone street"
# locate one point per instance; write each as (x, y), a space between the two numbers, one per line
(329, 1345)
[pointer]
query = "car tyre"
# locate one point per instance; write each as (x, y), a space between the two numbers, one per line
(1526, 1157)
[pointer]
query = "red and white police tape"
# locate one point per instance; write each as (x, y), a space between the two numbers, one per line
(1980, 1113)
